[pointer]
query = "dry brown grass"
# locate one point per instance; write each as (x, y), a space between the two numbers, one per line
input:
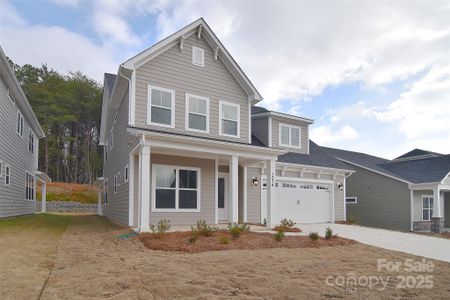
(60, 191)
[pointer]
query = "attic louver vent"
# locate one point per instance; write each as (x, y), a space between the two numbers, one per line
(198, 58)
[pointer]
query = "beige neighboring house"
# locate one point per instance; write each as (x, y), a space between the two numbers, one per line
(19, 146)
(184, 140)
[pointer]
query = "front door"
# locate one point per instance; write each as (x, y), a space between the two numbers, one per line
(222, 203)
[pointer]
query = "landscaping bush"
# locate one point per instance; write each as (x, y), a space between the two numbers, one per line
(328, 233)
(314, 236)
(204, 229)
(162, 227)
(224, 240)
(279, 236)
(287, 223)
(236, 229)
(351, 219)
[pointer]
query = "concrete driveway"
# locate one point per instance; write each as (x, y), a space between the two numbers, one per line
(429, 247)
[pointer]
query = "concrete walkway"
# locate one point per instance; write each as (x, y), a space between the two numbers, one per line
(429, 247)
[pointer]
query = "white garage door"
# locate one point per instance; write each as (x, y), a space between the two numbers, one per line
(302, 202)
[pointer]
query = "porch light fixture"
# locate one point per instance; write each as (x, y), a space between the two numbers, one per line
(340, 186)
(255, 181)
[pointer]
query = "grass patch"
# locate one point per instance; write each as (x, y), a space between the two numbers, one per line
(53, 224)
(59, 191)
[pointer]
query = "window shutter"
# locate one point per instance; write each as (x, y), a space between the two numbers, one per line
(198, 58)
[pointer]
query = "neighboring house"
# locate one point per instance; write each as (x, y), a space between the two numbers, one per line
(183, 141)
(19, 134)
(411, 192)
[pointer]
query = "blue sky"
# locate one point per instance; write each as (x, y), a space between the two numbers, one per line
(375, 76)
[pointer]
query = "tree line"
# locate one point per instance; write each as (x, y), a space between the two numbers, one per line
(68, 108)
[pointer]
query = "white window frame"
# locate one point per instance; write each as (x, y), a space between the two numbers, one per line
(31, 139)
(202, 64)
(126, 174)
(354, 200)
(290, 142)
(188, 96)
(116, 182)
(29, 186)
(177, 189)
(430, 210)
(221, 103)
(8, 174)
(149, 106)
(22, 124)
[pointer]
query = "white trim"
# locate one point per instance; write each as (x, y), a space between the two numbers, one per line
(111, 139)
(31, 136)
(144, 188)
(221, 103)
(411, 213)
(30, 180)
(21, 125)
(202, 51)
(7, 166)
(234, 189)
(216, 196)
(269, 136)
(116, 182)
(149, 106)
(353, 198)
(177, 189)
(290, 127)
(131, 190)
(283, 115)
(187, 112)
(244, 192)
(430, 215)
(126, 173)
(132, 99)
(249, 122)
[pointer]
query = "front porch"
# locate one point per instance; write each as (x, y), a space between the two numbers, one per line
(190, 180)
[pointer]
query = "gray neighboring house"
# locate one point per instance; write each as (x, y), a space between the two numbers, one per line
(409, 193)
(184, 141)
(19, 134)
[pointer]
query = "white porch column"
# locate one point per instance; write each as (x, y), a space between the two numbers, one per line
(234, 189)
(216, 191)
(44, 197)
(99, 200)
(437, 203)
(244, 192)
(270, 167)
(144, 187)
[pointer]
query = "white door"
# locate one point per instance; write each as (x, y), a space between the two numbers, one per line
(222, 190)
(300, 201)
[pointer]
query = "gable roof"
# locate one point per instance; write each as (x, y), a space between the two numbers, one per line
(201, 28)
(417, 153)
(258, 111)
(316, 157)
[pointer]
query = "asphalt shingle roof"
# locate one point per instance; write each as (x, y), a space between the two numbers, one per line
(258, 109)
(418, 152)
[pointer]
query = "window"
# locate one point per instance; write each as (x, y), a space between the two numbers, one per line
(31, 142)
(198, 57)
(427, 207)
(7, 174)
(116, 182)
(105, 192)
(29, 187)
(111, 142)
(176, 188)
(229, 119)
(19, 124)
(351, 200)
(197, 113)
(125, 174)
(161, 106)
(289, 136)
(1, 168)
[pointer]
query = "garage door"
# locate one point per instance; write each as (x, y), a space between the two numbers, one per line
(302, 202)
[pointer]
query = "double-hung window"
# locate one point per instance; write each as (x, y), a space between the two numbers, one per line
(161, 106)
(427, 208)
(7, 175)
(176, 188)
(229, 119)
(29, 187)
(289, 136)
(19, 128)
(31, 142)
(197, 113)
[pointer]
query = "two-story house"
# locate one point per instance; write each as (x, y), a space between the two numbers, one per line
(19, 134)
(184, 141)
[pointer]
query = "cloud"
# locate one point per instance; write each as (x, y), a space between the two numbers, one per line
(325, 135)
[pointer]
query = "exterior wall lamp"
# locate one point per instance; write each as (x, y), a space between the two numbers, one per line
(255, 181)
(340, 186)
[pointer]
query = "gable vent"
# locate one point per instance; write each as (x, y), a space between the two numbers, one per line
(198, 57)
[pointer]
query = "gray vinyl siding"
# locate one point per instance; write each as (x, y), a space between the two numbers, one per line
(304, 135)
(260, 129)
(446, 180)
(253, 197)
(14, 152)
(174, 70)
(382, 202)
(207, 192)
(447, 209)
(118, 157)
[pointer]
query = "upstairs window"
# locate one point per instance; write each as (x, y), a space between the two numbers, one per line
(31, 142)
(198, 56)
(29, 187)
(289, 136)
(229, 119)
(19, 128)
(197, 113)
(125, 174)
(161, 106)
(427, 208)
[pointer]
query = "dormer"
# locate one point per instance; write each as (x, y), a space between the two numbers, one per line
(281, 131)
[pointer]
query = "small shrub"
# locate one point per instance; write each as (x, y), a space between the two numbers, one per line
(287, 223)
(279, 236)
(162, 227)
(194, 235)
(314, 236)
(236, 229)
(224, 240)
(351, 219)
(328, 233)
(204, 229)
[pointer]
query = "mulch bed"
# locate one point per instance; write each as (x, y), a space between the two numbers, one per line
(178, 241)
(287, 229)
